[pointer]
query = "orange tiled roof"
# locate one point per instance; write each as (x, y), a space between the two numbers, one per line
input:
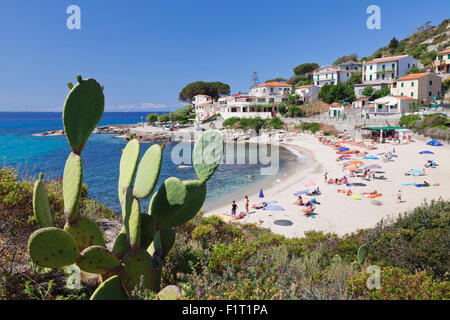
(273, 84)
(308, 86)
(445, 51)
(404, 98)
(413, 76)
(387, 59)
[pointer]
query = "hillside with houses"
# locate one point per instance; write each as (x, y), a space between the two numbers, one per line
(398, 79)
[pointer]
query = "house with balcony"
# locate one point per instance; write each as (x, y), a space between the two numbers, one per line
(308, 94)
(271, 92)
(442, 63)
(424, 87)
(391, 106)
(331, 76)
(350, 66)
(246, 106)
(204, 107)
(382, 72)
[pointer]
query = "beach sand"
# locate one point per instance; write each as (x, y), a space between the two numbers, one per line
(339, 213)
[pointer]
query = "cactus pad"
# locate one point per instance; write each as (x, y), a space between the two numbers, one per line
(121, 244)
(138, 265)
(41, 207)
(133, 227)
(72, 182)
(83, 110)
(111, 289)
(168, 200)
(362, 254)
(97, 260)
(86, 233)
(207, 154)
(52, 248)
(163, 242)
(148, 172)
(148, 230)
(128, 163)
(170, 293)
(196, 194)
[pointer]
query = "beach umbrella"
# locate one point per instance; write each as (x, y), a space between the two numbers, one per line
(371, 158)
(344, 149)
(351, 168)
(374, 166)
(416, 173)
(307, 183)
(434, 143)
(355, 162)
(261, 194)
(426, 152)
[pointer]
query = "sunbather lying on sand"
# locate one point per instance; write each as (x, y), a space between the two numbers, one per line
(309, 211)
(299, 201)
(259, 206)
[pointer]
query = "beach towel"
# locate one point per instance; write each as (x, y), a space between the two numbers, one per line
(357, 197)
(272, 207)
(407, 184)
(374, 196)
(299, 193)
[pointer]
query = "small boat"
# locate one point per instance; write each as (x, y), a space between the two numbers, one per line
(184, 167)
(250, 176)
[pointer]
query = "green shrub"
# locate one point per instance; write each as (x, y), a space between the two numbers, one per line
(399, 284)
(310, 126)
(409, 120)
(230, 122)
(232, 255)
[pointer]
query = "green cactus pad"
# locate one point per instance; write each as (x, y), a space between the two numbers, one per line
(207, 154)
(83, 110)
(148, 172)
(163, 242)
(170, 293)
(52, 248)
(127, 206)
(168, 200)
(111, 289)
(148, 230)
(137, 264)
(72, 182)
(128, 164)
(336, 259)
(362, 254)
(41, 207)
(133, 226)
(196, 194)
(86, 233)
(97, 260)
(121, 245)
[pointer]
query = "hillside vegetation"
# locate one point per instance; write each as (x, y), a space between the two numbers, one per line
(423, 44)
(212, 259)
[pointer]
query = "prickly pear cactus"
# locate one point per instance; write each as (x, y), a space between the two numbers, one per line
(362, 254)
(140, 249)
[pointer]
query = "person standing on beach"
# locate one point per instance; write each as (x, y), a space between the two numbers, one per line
(399, 196)
(326, 176)
(246, 204)
(233, 209)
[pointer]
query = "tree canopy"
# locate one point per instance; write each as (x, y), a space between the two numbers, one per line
(305, 69)
(152, 118)
(276, 80)
(349, 57)
(368, 91)
(212, 89)
(340, 92)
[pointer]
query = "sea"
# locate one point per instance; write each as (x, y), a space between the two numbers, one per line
(30, 155)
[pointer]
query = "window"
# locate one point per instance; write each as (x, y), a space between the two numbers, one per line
(356, 68)
(393, 66)
(412, 94)
(370, 77)
(412, 84)
(429, 94)
(347, 74)
(403, 84)
(392, 76)
(382, 76)
(431, 82)
(384, 67)
(409, 65)
(370, 67)
(402, 94)
(326, 76)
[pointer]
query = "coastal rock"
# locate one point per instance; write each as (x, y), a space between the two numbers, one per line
(52, 133)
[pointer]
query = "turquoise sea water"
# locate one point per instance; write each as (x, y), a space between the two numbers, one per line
(31, 155)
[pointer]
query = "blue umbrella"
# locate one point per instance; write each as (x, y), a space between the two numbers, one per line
(261, 194)
(434, 143)
(371, 158)
(426, 152)
(344, 149)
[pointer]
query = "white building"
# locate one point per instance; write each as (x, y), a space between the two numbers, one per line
(271, 92)
(204, 107)
(393, 105)
(380, 73)
(331, 76)
(308, 94)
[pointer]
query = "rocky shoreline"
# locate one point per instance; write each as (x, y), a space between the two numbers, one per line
(158, 134)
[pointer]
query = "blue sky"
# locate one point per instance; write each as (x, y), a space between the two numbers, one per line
(145, 51)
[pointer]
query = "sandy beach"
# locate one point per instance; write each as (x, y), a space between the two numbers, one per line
(337, 212)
